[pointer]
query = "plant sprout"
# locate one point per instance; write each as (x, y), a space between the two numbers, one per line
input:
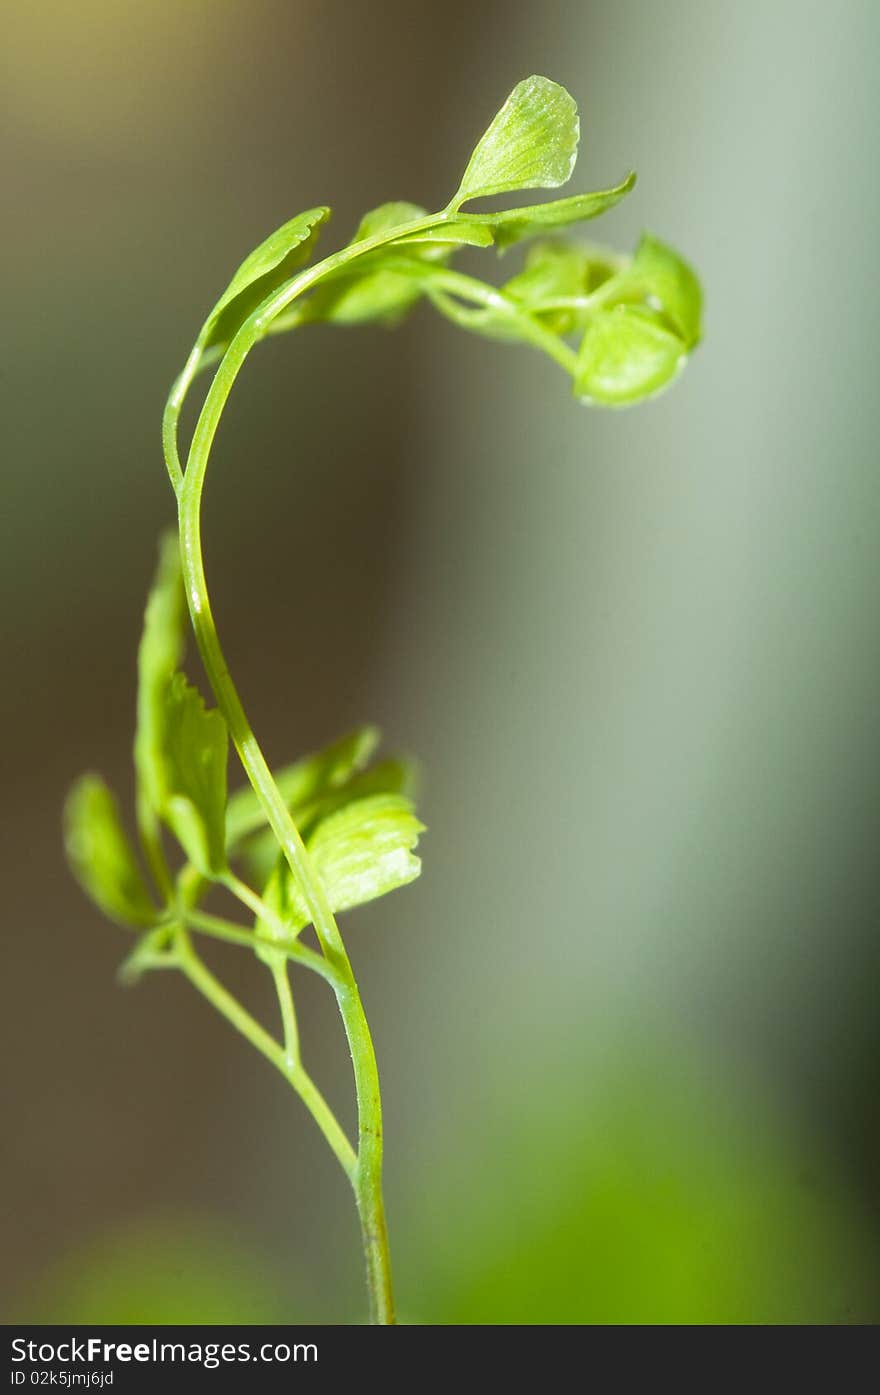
(337, 829)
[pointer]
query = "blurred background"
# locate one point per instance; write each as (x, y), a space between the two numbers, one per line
(628, 1021)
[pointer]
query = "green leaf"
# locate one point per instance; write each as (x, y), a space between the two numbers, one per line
(392, 776)
(361, 852)
(364, 291)
(160, 654)
(550, 270)
(101, 857)
(267, 268)
(531, 143)
(386, 218)
(448, 236)
(557, 272)
(362, 296)
(365, 850)
(514, 224)
(627, 354)
(303, 782)
(672, 285)
(194, 776)
(553, 271)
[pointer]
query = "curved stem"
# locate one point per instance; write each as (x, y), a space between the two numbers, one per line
(188, 488)
(367, 1176)
(171, 415)
(442, 283)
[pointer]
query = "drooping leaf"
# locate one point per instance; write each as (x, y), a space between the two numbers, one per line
(159, 655)
(303, 781)
(530, 144)
(101, 857)
(671, 284)
(626, 354)
(514, 224)
(194, 759)
(267, 267)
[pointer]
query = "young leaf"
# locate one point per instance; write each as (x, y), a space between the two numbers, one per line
(101, 857)
(392, 776)
(386, 218)
(448, 236)
(359, 853)
(159, 655)
(514, 224)
(550, 270)
(365, 850)
(303, 781)
(267, 267)
(194, 776)
(556, 280)
(672, 284)
(553, 271)
(362, 294)
(365, 291)
(531, 143)
(626, 354)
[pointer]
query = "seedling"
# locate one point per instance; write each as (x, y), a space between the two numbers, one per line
(337, 829)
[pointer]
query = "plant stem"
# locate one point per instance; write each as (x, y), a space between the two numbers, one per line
(288, 1012)
(219, 929)
(212, 989)
(367, 1174)
(441, 284)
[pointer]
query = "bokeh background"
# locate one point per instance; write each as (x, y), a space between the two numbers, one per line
(629, 1019)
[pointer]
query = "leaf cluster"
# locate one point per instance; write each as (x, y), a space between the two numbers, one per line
(355, 813)
(622, 327)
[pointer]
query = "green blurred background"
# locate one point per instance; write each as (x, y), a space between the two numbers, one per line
(629, 1019)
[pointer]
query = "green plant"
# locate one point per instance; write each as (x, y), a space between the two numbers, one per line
(334, 831)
